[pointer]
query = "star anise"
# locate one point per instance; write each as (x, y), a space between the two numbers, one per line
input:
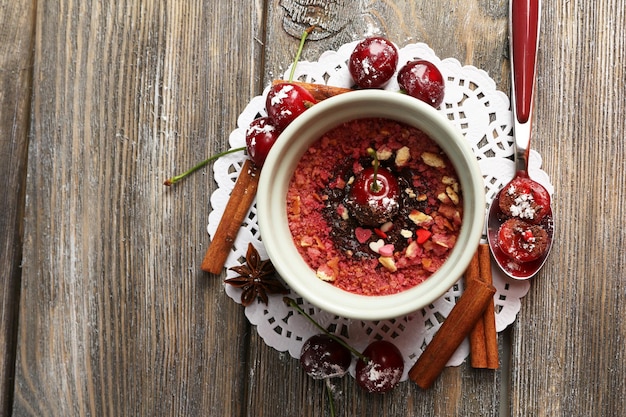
(256, 278)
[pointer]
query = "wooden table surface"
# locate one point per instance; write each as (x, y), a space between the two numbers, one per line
(104, 310)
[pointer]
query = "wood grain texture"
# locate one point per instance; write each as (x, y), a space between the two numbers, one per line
(572, 322)
(16, 38)
(115, 316)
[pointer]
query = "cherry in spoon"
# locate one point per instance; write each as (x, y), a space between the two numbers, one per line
(521, 247)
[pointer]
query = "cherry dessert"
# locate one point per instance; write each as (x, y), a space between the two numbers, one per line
(373, 62)
(423, 80)
(522, 241)
(525, 199)
(374, 196)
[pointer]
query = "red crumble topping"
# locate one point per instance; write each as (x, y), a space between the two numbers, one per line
(383, 258)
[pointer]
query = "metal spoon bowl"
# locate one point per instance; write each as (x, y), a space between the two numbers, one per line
(524, 18)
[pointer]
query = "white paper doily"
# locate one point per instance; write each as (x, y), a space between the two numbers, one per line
(481, 113)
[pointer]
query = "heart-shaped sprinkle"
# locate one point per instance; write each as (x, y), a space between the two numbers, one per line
(375, 246)
(386, 250)
(362, 235)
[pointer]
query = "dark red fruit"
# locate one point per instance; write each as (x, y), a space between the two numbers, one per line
(374, 202)
(373, 62)
(423, 80)
(521, 241)
(323, 357)
(285, 102)
(525, 199)
(384, 368)
(260, 137)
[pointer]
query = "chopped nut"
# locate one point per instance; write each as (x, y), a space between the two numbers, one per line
(386, 227)
(403, 156)
(454, 197)
(451, 182)
(296, 206)
(410, 192)
(388, 263)
(306, 241)
(411, 250)
(433, 160)
(325, 273)
(422, 197)
(420, 218)
(448, 180)
(443, 197)
(384, 154)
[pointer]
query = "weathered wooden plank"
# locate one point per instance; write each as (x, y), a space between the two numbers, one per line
(568, 359)
(16, 38)
(117, 318)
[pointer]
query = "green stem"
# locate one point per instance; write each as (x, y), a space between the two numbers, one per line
(292, 303)
(376, 163)
(175, 179)
(305, 34)
(331, 399)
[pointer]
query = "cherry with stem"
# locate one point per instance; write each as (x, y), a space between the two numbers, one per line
(293, 304)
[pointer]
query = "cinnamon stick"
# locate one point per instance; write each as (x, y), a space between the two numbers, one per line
(489, 316)
(467, 311)
(238, 205)
(483, 337)
(318, 91)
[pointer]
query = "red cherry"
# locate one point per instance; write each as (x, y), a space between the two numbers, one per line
(384, 368)
(374, 202)
(260, 137)
(423, 80)
(373, 62)
(525, 199)
(323, 357)
(521, 241)
(285, 102)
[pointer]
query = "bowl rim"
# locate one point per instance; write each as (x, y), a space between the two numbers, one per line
(284, 157)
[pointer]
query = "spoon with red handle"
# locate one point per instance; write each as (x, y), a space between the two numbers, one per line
(520, 224)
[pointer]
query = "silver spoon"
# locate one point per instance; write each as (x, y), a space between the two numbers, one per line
(524, 16)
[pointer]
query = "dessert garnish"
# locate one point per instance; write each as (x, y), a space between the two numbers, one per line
(423, 80)
(238, 205)
(287, 100)
(378, 369)
(257, 278)
(483, 337)
(374, 194)
(373, 62)
(457, 326)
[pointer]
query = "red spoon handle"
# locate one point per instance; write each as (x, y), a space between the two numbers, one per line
(524, 16)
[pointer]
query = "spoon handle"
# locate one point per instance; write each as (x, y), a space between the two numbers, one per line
(524, 16)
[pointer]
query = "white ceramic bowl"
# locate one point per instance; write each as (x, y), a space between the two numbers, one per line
(281, 163)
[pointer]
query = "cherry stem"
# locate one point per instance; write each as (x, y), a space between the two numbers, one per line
(376, 163)
(175, 179)
(292, 303)
(331, 399)
(305, 34)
